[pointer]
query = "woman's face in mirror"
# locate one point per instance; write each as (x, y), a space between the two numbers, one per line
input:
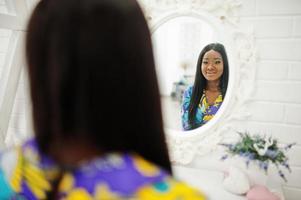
(212, 65)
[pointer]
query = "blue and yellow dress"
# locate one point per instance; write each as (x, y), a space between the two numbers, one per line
(204, 112)
(27, 174)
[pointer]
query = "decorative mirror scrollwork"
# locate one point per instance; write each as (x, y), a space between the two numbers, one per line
(240, 45)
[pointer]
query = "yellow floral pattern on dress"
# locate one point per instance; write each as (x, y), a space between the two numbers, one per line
(31, 174)
(110, 177)
(67, 183)
(79, 194)
(145, 167)
(169, 189)
(203, 113)
(103, 193)
(17, 173)
(206, 108)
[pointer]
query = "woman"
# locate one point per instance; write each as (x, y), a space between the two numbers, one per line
(202, 100)
(96, 109)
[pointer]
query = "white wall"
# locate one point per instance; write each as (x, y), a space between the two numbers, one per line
(276, 106)
(15, 123)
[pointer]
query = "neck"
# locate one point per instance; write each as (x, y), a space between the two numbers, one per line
(73, 152)
(213, 86)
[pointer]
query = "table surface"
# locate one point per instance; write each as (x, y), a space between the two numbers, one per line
(210, 182)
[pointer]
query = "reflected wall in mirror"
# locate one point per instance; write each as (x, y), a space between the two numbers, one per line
(177, 47)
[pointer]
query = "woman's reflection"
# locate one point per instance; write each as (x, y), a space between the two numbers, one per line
(202, 100)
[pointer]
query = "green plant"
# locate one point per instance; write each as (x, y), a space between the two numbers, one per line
(261, 150)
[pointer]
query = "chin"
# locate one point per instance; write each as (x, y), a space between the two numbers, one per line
(211, 78)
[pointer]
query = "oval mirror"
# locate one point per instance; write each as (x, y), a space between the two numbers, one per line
(177, 45)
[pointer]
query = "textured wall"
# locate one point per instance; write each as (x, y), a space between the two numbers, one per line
(276, 106)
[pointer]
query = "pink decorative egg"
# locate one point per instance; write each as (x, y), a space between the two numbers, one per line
(259, 192)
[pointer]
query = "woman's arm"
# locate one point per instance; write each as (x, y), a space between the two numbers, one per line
(185, 108)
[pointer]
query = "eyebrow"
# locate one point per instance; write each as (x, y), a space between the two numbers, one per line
(214, 58)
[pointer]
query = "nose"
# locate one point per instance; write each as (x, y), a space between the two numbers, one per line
(210, 66)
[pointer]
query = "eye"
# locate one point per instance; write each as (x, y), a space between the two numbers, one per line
(217, 62)
(205, 62)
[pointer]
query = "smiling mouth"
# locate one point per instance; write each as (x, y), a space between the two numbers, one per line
(211, 73)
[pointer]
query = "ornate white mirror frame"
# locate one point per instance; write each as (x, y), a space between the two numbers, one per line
(240, 46)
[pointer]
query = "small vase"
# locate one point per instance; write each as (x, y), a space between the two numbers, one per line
(236, 181)
(256, 175)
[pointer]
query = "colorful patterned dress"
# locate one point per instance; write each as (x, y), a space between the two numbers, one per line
(204, 112)
(26, 174)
